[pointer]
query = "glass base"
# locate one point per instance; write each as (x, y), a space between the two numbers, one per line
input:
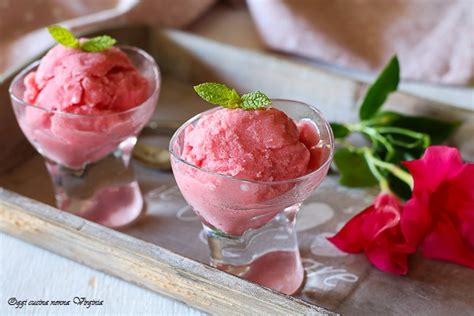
(281, 271)
(114, 207)
(105, 191)
(268, 256)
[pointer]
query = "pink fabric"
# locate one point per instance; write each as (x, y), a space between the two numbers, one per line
(434, 39)
(22, 22)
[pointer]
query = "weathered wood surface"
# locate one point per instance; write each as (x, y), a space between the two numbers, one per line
(141, 262)
(347, 284)
(32, 273)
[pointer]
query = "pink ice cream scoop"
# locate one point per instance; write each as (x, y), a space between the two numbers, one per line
(264, 146)
(73, 81)
(259, 145)
(83, 102)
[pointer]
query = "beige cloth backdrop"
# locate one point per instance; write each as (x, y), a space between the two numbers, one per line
(433, 38)
(22, 22)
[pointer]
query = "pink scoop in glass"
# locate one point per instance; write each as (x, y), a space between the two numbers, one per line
(88, 156)
(250, 225)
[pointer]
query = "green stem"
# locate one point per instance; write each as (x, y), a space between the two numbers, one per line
(373, 162)
(395, 170)
(401, 131)
(346, 143)
(374, 135)
(406, 132)
(383, 183)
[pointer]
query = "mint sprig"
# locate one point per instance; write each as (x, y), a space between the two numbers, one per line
(254, 100)
(98, 43)
(65, 37)
(220, 94)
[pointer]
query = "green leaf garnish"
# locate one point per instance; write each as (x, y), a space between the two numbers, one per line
(378, 92)
(96, 44)
(63, 36)
(254, 100)
(220, 94)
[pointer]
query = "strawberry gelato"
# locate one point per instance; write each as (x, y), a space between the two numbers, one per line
(258, 151)
(258, 145)
(73, 81)
(82, 101)
(245, 173)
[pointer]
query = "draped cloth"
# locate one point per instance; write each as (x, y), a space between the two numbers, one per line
(434, 39)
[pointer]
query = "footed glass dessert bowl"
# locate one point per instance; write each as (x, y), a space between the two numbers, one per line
(250, 224)
(87, 148)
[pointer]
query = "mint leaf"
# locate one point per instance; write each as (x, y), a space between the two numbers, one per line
(254, 100)
(63, 36)
(353, 168)
(98, 43)
(218, 94)
(339, 130)
(378, 92)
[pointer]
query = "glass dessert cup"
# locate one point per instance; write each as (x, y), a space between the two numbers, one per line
(250, 225)
(88, 156)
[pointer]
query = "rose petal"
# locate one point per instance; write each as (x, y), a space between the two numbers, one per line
(445, 243)
(467, 225)
(386, 215)
(351, 237)
(437, 164)
(416, 220)
(384, 259)
(456, 198)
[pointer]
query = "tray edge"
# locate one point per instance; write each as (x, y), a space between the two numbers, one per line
(140, 262)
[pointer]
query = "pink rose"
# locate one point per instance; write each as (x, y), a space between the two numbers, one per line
(439, 217)
(440, 214)
(376, 231)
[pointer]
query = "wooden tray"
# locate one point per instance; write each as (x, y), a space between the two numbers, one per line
(165, 251)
